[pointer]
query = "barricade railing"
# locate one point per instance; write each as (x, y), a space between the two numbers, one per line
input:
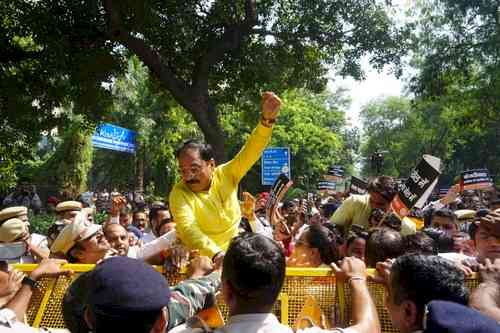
(45, 308)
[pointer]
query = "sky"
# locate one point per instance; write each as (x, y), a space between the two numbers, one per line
(376, 84)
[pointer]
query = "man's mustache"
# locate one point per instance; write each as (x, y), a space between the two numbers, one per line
(193, 181)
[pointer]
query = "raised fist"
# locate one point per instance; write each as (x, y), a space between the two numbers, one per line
(271, 105)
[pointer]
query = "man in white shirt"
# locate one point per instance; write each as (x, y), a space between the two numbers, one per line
(252, 276)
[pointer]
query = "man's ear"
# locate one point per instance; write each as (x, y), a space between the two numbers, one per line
(211, 163)
(161, 323)
(410, 314)
(76, 253)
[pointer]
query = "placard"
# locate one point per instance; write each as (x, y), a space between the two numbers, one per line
(280, 187)
(327, 185)
(358, 186)
(418, 187)
(335, 173)
(476, 179)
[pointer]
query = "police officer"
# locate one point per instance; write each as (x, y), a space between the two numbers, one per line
(125, 294)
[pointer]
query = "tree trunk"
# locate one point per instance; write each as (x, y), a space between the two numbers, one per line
(205, 114)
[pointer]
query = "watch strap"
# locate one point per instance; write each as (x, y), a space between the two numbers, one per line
(29, 282)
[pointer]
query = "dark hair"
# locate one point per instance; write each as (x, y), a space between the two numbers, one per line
(139, 211)
(72, 259)
(337, 233)
(383, 185)
(206, 151)
(472, 228)
(254, 266)
(382, 244)
(126, 210)
(428, 216)
(356, 232)
(288, 204)
(324, 240)
(153, 213)
(443, 241)
(422, 279)
(329, 209)
(445, 212)
(420, 243)
(494, 203)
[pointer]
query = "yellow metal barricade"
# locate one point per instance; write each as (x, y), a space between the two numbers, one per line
(45, 308)
(377, 291)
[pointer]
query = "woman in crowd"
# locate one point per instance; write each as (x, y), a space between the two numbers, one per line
(315, 247)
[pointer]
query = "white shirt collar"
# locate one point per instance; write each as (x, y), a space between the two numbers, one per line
(255, 317)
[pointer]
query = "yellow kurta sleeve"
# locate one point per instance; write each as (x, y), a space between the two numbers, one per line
(187, 227)
(344, 214)
(249, 153)
(209, 221)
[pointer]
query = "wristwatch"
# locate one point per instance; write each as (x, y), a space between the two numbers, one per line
(267, 122)
(30, 282)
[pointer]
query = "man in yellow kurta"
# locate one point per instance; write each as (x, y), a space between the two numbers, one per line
(204, 203)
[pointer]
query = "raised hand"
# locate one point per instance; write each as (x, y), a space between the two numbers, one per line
(351, 268)
(271, 105)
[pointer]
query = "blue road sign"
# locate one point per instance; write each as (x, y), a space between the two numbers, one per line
(113, 137)
(275, 161)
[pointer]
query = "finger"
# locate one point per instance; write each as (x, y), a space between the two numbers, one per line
(335, 268)
(56, 261)
(67, 272)
(376, 279)
(467, 271)
(487, 264)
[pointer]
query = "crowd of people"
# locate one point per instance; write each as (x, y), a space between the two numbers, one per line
(241, 247)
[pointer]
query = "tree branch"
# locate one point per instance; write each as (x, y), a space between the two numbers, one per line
(231, 39)
(151, 58)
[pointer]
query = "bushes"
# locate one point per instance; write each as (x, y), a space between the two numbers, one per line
(40, 224)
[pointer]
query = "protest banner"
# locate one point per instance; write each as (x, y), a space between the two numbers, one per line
(418, 187)
(335, 173)
(476, 179)
(358, 186)
(327, 185)
(280, 187)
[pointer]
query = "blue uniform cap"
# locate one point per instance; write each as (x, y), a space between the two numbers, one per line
(451, 317)
(122, 286)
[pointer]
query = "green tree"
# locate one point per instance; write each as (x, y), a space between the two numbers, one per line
(205, 52)
(457, 54)
(40, 73)
(312, 125)
(405, 130)
(139, 104)
(68, 168)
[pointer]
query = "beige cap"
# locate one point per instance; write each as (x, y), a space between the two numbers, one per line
(465, 214)
(68, 206)
(11, 230)
(73, 233)
(12, 212)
